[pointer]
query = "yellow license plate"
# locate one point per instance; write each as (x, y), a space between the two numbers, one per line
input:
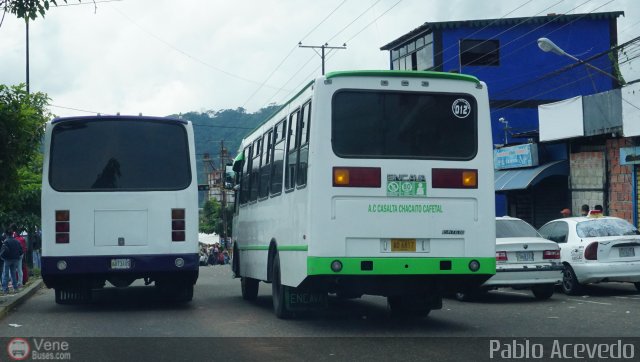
(403, 245)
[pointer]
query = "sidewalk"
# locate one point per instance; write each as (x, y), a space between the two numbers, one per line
(10, 301)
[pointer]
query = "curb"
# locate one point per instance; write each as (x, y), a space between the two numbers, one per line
(18, 299)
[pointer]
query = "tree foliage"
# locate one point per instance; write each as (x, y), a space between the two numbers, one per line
(28, 9)
(22, 120)
(211, 219)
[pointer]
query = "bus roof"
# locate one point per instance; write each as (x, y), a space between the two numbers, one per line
(404, 74)
(103, 117)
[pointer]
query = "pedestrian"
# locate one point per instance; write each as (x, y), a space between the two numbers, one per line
(23, 272)
(599, 208)
(584, 210)
(11, 253)
(565, 212)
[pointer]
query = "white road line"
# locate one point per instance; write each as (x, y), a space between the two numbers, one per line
(631, 298)
(588, 301)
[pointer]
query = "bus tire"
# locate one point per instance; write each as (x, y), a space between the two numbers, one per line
(543, 291)
(66, 296)
(184, 293)
(235, 263)
(637, 284)
(278, 291)
(249, 288)
(408, 305)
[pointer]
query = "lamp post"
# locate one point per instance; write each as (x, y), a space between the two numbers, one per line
(547, 45)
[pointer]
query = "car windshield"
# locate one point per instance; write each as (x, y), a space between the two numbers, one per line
(514, 229)
(605, 227)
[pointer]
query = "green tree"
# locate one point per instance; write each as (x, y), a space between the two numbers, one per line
(210, 217)
(27, 9)
(22, 120)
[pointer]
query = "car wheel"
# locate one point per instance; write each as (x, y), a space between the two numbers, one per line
(249, 288)
(570, 284)
(543, 291)
(637, 284)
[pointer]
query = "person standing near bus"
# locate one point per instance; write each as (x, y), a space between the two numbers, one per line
(11, 253)
(23, 272)
(584, 210)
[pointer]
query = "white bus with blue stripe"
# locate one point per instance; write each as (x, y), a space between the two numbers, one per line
(119, 203)
(368, 182)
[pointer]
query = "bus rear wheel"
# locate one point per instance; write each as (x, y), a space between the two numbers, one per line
(278, 291)
(249, 288)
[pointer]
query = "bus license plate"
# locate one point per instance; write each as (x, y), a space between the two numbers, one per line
(627, 252)
(403, 245)
(120, 263)
(524, 255)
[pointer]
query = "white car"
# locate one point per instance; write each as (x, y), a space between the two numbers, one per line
(523, 260)
(595, 249)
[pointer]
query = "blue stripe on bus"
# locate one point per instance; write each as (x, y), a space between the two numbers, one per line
(102, 264)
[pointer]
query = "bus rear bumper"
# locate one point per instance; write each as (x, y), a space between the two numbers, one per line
(94, 270)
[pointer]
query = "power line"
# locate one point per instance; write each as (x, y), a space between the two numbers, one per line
(189, 55)
(291, 52)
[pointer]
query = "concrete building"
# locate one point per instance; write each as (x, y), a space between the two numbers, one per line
(532, 179)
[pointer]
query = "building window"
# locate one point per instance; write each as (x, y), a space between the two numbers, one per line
(479, 52)
(425, 57)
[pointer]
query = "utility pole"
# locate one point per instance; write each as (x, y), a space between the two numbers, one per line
(223, 191)
(26, 21)
(208, 168)
(322, 47)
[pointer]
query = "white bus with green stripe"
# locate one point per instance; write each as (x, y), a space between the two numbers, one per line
(368, 182)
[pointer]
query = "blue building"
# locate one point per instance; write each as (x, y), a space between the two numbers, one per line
(505, 54)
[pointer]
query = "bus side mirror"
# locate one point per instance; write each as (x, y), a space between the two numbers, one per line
(237, 166)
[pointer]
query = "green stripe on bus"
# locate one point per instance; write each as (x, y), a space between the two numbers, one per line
(280, 247)
(403, 74)
(398, 266)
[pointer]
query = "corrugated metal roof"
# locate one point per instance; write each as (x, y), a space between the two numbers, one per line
(535, 20)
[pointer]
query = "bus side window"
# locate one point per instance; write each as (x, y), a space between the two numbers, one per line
(255, 170)
(265, 168)
(245, 177)
(292, 151)
(303, 158)
(278, 157)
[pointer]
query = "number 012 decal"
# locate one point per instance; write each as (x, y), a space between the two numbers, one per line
(461, 108)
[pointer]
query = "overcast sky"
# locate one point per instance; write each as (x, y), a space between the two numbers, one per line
(160, 57)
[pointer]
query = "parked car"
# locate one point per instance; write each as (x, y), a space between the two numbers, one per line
(524, 260)
(595, 249)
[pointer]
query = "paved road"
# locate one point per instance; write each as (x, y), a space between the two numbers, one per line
(608, 310)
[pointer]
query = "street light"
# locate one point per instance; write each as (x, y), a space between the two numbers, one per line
(547, 45)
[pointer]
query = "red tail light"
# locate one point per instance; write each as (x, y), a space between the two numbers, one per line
(178, 225)
(63, 226)
(591, 252)
(446, 178)
(501, 256)
(551, 254)
(357, 177)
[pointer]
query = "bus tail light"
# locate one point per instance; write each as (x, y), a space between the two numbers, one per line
(63, 227)
(501, 256)
(591, 251)
(178, 225)
(357, 177)
(447, 178)
(551, 254)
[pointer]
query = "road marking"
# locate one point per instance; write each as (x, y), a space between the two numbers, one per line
(588, 301)
(632, 298)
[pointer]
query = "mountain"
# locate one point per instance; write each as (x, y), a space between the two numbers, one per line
(229, 125)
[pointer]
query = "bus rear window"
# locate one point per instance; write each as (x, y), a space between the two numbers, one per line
(119, 155)
(377, 124)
